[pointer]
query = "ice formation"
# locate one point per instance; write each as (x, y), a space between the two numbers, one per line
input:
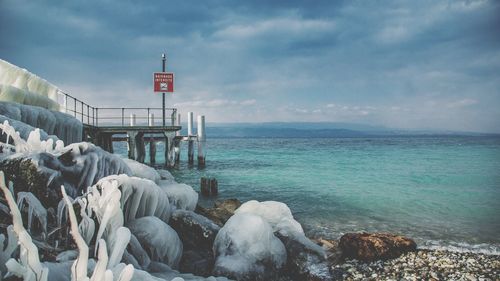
(35, 208)
(245, 245)
(140, 197)
(28, 267)
(160, 241)
(19, 85)
(277, 214)
(103, 268)
(142, 170)
(181, 196)
(64, 126)
(80, 165)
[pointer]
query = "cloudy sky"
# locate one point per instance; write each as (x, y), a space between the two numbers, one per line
(401, 64)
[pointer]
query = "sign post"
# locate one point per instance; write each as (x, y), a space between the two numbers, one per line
(163, 82)
(164, 60)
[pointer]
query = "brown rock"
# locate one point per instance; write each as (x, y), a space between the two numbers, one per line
(221, 212)
(375, 246)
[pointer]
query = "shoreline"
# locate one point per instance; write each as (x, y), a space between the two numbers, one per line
(423, 265)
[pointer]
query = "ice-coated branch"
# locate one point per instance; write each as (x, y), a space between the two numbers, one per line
(79, 267)
(29, 267)
(35, 207)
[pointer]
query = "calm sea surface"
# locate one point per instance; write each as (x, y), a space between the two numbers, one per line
(441, 191)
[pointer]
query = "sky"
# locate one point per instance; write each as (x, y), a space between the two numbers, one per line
(399, 64)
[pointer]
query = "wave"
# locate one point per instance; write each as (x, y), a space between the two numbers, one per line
(460, 247)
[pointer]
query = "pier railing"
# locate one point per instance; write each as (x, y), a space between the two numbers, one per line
(116, 116)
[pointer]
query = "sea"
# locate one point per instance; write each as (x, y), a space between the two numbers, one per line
(442, 191)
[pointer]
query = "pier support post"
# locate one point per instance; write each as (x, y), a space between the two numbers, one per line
(132, 144)
(152, 143)
(201, 140)
(190, 151)
(177, 150)
(141, 149)
(190, 141)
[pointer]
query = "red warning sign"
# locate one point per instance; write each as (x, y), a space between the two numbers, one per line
(163, 82)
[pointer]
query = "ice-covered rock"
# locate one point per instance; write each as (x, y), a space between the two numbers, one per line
(142, 170)
(306, 260)
(277, 214)
(246, 249)
(198, 235)
(20, 78)
(140, 198)
(160, 241)
(64, 126)
(79, 166)
(181, 196)
(221, 212)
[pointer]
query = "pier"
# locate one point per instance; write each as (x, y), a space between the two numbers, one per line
(141, 128)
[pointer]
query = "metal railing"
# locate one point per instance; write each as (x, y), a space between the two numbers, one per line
(117, 116)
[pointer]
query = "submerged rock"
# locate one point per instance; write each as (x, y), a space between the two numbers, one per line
(221, 212)
(197, 234)
(375, 246)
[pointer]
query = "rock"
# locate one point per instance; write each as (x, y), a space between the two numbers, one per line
(304, 261)
(221, 212)
(374, 246)
(197, 234)
(25, 175)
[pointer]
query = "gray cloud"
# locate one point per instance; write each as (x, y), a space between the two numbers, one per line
(437, 62)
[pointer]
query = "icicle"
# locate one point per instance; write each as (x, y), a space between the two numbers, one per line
(5, 253)
(34, 207)
(79, 267)
(30, 267)
(119, 243)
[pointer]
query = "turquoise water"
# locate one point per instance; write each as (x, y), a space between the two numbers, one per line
(441, 191)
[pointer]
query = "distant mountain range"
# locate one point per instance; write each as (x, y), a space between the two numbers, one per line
(313, 130)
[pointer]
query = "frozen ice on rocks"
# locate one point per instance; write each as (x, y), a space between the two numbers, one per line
(246, 247)
(277, 214)
(140, 197)
(160, 241)
(181, 196)
(142, 170)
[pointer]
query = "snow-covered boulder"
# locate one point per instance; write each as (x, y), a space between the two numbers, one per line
(159, 240)
(277, 214)
(141, 170)
(140, 198)
(180, 195)
(64, 126)
(246, 249)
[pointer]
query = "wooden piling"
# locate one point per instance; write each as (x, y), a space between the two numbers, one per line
(209, 186)
(201, 141)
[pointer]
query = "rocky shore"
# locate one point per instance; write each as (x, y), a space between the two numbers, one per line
(423, 265)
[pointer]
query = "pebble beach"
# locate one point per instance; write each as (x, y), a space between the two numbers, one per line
(423, 265)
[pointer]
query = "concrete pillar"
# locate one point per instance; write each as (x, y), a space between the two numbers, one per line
(132, 145)
(178, 133)
(177, 150)
(141, 149)
(190, 124)
(132, 120)
(151, 120)
(152, 151)
(201, 140)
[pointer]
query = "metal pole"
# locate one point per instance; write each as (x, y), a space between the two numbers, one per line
(163, 59)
